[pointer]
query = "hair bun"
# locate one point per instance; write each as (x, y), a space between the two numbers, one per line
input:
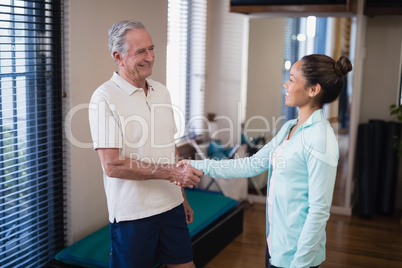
(343, 66)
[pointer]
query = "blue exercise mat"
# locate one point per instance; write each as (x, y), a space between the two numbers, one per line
(93, 250)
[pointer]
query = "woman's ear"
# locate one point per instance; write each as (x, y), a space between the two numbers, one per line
(315, 90)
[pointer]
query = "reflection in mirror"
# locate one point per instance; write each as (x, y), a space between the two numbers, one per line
(400, 80)
(283, 41)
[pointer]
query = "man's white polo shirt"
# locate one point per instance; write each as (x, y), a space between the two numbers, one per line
(142, 128)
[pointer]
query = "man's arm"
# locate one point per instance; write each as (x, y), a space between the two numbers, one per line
(117, 166)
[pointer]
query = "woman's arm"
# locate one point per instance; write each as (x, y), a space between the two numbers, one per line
(237, 168)
(242, 167)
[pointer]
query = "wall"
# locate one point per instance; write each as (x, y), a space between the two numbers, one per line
(89, 64)
(381, 73)
(381, 67)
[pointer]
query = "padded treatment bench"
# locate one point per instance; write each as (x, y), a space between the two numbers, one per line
(217, 221)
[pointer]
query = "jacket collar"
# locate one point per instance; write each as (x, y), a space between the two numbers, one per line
(318, 115)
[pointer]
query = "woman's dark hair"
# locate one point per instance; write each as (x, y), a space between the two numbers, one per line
(330, 74)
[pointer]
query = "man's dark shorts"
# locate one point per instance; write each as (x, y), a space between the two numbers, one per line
(162, 239)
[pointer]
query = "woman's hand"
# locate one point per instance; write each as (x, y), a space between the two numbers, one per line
(186, 168)
(184, 162)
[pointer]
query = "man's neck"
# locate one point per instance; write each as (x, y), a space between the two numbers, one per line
(138, 84)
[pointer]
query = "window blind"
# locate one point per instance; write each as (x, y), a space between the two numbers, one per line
(31, 161)
(186, 63)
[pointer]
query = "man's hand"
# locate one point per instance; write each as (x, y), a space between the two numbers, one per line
(189, 212)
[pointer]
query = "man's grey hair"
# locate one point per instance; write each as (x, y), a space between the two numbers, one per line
(117, 35)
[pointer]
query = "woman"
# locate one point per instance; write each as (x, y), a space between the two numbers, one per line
(302, 161)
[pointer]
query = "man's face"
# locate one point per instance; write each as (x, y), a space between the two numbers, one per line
(137, 64)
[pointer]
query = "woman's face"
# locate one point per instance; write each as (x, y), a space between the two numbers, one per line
(297, 94)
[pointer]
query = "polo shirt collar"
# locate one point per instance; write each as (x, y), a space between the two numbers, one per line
(128, 88)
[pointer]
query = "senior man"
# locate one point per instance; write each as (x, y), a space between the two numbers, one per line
(132, 127)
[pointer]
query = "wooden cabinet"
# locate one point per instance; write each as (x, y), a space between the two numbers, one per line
(293, 6)
(383, 7)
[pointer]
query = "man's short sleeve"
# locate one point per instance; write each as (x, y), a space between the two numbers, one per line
(104, 124)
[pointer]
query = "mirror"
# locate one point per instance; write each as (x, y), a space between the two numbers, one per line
(274, 45)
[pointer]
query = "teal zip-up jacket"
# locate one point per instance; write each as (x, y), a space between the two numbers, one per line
(304, 185)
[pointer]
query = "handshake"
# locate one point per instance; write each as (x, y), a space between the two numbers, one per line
(185, 175)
